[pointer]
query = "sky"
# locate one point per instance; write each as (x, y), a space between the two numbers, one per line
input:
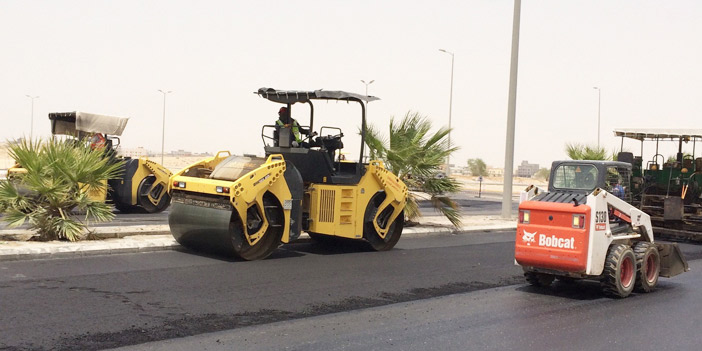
(112, 57)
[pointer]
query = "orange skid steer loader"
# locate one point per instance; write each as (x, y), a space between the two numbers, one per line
(583, 227)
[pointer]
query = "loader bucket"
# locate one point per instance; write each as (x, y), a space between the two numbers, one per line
(672, 260)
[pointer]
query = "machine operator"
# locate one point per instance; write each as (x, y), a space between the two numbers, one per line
(284, 120)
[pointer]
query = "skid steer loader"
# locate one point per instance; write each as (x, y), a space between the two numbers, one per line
(143, 184)
(582, 227)
(248, 206)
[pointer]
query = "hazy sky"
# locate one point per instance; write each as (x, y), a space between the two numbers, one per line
(111, 57)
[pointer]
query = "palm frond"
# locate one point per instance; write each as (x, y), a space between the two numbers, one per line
(15, 218)
(441, 185)
(448, 208)
(586, 152)
(416, 154)
(67, 228)
(412, 211)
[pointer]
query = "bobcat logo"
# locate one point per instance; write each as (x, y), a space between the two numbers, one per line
(529, 237)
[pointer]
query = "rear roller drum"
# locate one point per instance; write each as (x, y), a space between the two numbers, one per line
(393, 234)
(271, 238)
(619, 272)
(648, 263)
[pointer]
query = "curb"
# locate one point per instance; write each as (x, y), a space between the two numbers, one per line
(152, 238)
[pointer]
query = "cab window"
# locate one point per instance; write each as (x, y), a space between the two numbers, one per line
(575, 177)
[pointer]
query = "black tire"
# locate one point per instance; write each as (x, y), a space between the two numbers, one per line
(371, 235)
(648, 266)
(539, 279)
(619, 275)
(271, 238)
(143, 196)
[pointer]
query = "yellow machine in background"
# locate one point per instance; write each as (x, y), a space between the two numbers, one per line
(143, 185)
(248, 206)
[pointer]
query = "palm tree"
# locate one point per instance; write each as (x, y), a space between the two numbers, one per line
(60, 176)
(587, 152)
(416, 156)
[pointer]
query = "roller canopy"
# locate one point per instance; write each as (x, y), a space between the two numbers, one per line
(71, 123)
(651, 133)
(293, 96)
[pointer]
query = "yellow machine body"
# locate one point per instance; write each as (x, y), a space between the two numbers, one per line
(204, 208)
(338, 210)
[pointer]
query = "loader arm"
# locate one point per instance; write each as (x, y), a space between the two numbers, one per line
(628, 213)
(672, 261)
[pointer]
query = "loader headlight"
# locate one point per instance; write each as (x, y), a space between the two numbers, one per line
(579, 221)
(177, 184)
(524, 216)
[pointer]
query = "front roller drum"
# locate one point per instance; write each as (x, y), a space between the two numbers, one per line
(201, 228)
(219, 231)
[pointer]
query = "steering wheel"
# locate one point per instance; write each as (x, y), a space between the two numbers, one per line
(331, 137)
(589, 180)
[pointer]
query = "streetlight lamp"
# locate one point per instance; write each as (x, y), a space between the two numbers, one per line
(367, 84)
(163, 130)
(599, 100)
(31, 125)
(448, 157)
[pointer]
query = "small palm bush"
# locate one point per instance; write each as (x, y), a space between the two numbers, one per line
(60, 175)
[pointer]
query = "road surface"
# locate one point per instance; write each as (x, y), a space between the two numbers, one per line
(101, 302)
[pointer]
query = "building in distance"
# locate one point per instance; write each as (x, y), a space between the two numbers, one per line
(527, 170)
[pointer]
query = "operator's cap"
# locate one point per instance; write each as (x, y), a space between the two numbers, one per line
(283, 110)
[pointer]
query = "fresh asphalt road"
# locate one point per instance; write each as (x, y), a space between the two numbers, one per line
(100, 302)
(516, 317)
(110, 301)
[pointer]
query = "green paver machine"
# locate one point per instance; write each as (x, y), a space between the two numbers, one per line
(670, 190)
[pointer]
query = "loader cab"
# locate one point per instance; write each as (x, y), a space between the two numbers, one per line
(584, 176)
(318, 158)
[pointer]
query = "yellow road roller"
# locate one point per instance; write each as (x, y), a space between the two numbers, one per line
(143, 184)
(248, 206)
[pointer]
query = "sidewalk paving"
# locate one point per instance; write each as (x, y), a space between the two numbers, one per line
(147, 238)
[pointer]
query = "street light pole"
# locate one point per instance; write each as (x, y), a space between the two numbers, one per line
(448, 157)
(31, 123)
(163, 129)
(599, 100)
(511, 114)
